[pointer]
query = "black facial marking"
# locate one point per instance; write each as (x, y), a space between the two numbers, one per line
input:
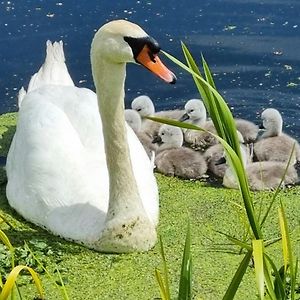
(137, 44)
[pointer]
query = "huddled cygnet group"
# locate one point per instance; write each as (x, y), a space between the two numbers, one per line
(193, 154)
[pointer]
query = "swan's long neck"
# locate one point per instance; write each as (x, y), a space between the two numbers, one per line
(109, 79)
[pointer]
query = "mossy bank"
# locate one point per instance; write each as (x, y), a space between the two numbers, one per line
(91, 275)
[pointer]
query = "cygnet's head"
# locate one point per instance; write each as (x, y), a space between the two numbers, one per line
(271, 121)
(143, 105)
(195, 111)
(133, 119)
(169, 137)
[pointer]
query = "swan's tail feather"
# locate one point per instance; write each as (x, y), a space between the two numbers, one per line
(21, 95)
(54, 70)
(55, 52)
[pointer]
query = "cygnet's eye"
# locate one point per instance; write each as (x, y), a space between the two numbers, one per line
(191, 110)
(162, 133)
(139, 109)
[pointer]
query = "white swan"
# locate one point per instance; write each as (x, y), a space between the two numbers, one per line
(77, 176)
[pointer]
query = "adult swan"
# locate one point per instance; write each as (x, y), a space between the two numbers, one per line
(77, 176)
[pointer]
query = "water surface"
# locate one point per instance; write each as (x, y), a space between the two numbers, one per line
(252, 48)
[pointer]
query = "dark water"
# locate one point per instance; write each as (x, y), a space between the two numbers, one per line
(252, 48)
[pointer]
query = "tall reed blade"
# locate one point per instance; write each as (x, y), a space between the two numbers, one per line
(163, 281)
(287, 249)
(224, 124)
(185, 285)
(238, 276)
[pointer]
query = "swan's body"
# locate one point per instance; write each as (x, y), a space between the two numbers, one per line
(173, 159)
(274, 145)
(77, 176)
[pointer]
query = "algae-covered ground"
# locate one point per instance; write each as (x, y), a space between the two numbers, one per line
(91, 275)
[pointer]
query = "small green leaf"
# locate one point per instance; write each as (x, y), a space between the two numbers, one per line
(12, 277)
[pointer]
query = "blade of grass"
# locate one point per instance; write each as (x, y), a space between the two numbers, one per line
(12, 277)
(236, 241)
(4, 238)
(287, 248)
(278, 189)
(165, 268)
(258, 250)
(162, 289)
(237, 278)
(60, 287)
(185, 285)
(276, 290)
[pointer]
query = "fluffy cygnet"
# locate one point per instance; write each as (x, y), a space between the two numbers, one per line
(133, 119)
(145, 107)
(274, 145)
(173, 159)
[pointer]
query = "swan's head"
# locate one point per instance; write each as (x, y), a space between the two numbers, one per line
(272, 121)
(121, 41)
(169, 137)
(133, 119)
(195, 110)
(143, 105)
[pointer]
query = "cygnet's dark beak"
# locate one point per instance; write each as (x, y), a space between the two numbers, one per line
(220, 161)
(157, 140)
(184, 117)
(261, 126)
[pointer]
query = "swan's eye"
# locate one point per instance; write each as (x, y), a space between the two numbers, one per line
(139, 109)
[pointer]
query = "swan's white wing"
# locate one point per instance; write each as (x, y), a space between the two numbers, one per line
(56, 167)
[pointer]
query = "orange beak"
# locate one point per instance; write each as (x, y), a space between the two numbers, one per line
(155, 65)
